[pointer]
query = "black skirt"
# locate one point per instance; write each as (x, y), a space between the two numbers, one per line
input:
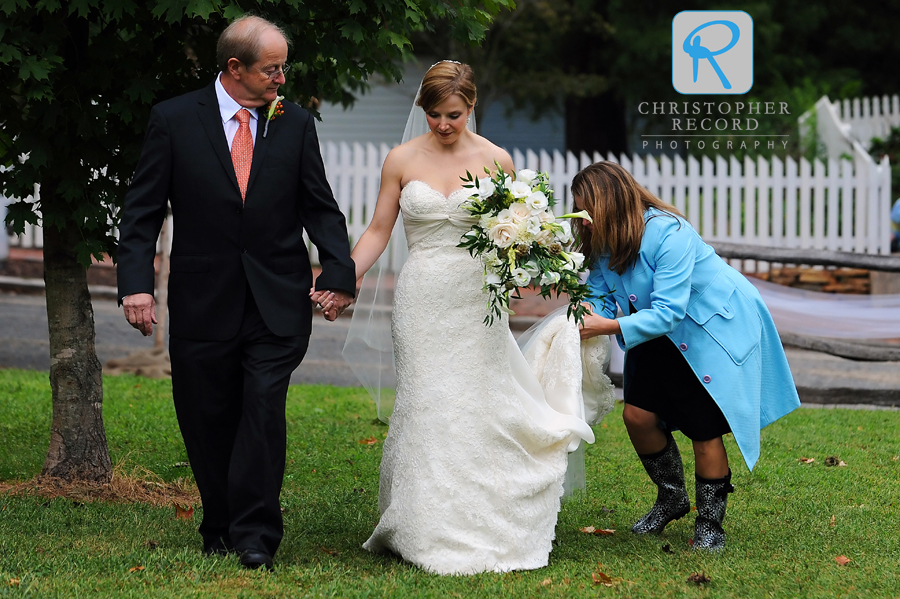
(659, 379)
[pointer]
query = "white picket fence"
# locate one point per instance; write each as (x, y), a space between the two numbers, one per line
(870, 117)
(833, 205)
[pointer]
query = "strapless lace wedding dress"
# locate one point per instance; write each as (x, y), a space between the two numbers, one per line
(475, 456)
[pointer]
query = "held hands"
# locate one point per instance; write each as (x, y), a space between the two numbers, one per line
(140, 311)
(333, 303)
(595, 325)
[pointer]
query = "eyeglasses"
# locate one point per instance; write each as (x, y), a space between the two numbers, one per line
(272, 74)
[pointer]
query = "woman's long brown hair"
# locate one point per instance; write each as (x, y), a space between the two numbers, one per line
(616, 203)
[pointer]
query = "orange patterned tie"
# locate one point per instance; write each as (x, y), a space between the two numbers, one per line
(242, 150)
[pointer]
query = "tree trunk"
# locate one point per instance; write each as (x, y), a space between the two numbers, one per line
(78, 448)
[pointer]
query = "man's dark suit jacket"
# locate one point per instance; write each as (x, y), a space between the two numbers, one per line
(220, 245)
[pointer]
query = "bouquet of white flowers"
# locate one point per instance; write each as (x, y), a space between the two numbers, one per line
(520, 240)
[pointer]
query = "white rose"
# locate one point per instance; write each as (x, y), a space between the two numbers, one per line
(503, 234)
(519, 211)
(493, 279)
(485, 188)
(505, 216)
(566, 235)
(521, 277)
(532, 269)
(550, 278)
(545, 237)
(534, 225)
(520, 190)
(537, 201)
(547, 217)
(526, 175)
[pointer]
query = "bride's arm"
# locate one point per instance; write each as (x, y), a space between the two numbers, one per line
(376, 236)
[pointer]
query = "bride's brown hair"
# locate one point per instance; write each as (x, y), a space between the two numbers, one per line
(444, 80)
(616, 203)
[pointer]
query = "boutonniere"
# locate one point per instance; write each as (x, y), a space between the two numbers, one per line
(275, 109)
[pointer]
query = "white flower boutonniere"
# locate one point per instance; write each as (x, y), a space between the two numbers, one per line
(275, 109)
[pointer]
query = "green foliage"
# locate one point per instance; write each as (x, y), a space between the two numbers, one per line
(782, 539)
(890, 147)
(81, 78)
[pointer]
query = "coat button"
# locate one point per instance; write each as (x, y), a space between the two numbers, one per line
(683, 347)
(707, 378)
(238, 210)
(632, 298)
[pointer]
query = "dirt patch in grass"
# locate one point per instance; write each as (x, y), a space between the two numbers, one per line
(128, 485)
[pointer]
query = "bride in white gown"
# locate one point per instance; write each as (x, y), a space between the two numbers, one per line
(476, 452)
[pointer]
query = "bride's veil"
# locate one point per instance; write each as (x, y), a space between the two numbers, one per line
(369, 348)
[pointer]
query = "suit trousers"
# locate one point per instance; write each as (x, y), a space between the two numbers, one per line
(230, 401)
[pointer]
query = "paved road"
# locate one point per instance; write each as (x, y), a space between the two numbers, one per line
(821, 378)
(24, 340)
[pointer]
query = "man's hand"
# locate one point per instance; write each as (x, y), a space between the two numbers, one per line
(595, 325)
(140, 311)
(333, 303)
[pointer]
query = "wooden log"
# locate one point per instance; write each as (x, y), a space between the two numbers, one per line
(804, 256)
(845, 349)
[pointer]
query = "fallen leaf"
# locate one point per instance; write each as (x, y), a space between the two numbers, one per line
(667, 548)
(691, 542)
(834, 461)
(566, 580)
(546, 582)
(136, 569)
(603, 425)
(331, 552)
(183, 513)
(832, 520)
(807, 460)
(598, 531)
(600, 578)
(607, 510)
(842, 560)
(859, 428)
(151, 544)
(368, 441)
(181, 465)
(896, 458)
(698, 579)
(14, 582)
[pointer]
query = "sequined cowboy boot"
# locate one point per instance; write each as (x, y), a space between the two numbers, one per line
(712, 497)
(665, 469)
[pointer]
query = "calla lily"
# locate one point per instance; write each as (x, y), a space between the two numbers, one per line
(582, 214)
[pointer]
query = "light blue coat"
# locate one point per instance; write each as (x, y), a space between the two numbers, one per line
(716, 317)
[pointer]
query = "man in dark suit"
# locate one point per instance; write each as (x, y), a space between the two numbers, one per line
(242, 192)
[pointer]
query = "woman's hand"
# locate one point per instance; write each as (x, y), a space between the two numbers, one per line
(595, 325)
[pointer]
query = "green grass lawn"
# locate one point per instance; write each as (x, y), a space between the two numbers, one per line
(786, 523)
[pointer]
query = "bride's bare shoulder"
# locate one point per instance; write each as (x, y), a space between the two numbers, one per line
(492, 152)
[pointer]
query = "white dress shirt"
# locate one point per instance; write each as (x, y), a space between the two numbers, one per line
(228, 108)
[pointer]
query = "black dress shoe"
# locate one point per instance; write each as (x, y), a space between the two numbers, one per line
(253, 559)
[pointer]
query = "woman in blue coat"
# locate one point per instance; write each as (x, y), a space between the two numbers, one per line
(702, 353)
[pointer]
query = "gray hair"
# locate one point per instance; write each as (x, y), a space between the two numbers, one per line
(241, 40)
